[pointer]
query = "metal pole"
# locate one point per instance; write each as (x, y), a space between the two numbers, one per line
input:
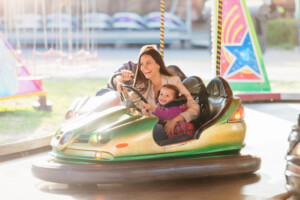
(189, 17)
(162, 27)
(77, 27)
(44, 25)
(70, 28)
(297, 14)
(219, 38)
(174, 6)
(5, 11)
(16, 13)
(60, 26)
(34, 31)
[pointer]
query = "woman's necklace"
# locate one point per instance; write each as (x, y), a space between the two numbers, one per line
(156, 88)
(157, 83)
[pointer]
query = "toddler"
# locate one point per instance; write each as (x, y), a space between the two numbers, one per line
(170, 105)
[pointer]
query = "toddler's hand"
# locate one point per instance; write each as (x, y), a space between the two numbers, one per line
(144, 112)
(147, 106)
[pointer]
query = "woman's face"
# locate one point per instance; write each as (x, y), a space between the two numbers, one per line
(166, 95)
(149, 67)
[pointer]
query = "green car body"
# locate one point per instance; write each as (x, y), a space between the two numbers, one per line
(116, 134)
(114, 145)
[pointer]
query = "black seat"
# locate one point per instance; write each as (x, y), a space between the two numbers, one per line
(213, 101)
(195, 86)
(218, 100)
(177, 71)
(198, 91)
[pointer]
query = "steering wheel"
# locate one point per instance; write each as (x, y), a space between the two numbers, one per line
(131, 103)
(113, 77)
(128, 102)
(112, 80)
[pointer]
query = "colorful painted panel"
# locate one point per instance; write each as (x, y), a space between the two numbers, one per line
(14, 79)
(27, 85)
(297, 9)
(241, 60)
(8, 69)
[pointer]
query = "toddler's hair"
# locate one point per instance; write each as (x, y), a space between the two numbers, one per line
(172, 87)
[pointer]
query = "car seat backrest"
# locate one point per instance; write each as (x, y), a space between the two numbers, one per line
(218, 92)
(198, 91)
(219, 98)
(177, 71)
(219, 87)
(195, 86)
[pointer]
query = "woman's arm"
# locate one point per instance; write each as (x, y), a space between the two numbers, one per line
(170, 125)
(193, 107)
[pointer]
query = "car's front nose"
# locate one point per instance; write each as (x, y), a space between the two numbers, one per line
(292, 175)
(292, 172)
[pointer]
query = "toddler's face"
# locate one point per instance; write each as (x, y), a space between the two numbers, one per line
(166, 95)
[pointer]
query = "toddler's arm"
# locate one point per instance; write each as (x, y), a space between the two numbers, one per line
(149, 106)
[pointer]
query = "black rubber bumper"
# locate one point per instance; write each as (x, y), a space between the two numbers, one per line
(150, 170)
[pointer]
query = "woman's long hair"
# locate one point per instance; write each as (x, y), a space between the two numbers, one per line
(140, 79)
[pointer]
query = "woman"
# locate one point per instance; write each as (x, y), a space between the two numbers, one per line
(151, 75)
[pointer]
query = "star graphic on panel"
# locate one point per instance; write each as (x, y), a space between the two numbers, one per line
(244, 57)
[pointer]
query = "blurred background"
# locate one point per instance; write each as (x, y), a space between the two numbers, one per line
(65, 30)
(69, 24)
(75, 45)
(71, 47)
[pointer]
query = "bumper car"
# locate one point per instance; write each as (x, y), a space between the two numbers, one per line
(29, 21)
(292, 172)
(112, 144)
(57, 21)
(97, 21)
(171, 21)
(128, 21)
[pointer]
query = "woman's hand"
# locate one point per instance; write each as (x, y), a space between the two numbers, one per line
(170, 125)
(119, 86)
(123, 91)
(126, 75)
